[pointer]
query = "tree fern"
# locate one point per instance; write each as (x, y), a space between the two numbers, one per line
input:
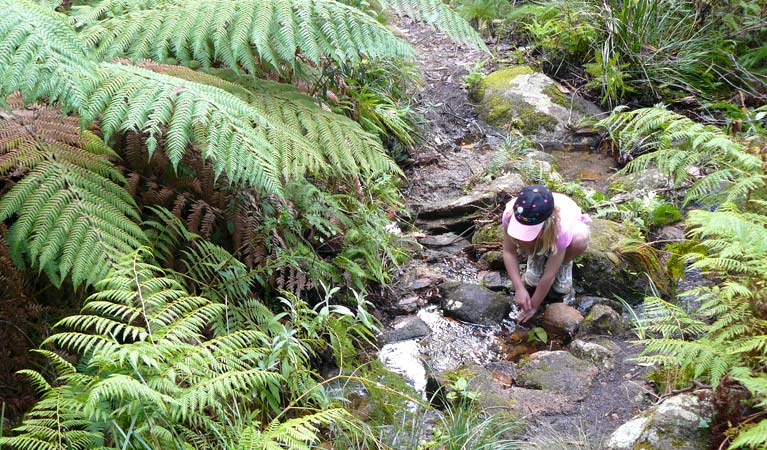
(233, 135)
(342, 142)
(73, 216)
(243, 33)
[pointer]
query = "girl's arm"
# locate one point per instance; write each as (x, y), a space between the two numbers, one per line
(521, 297)
(553, 264)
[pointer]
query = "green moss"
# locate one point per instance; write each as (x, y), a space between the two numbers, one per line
(489, 233)
(556, 96)
(500, 79)
(504, 111)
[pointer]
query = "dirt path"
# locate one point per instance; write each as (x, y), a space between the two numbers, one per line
(456, 146)
(457, 143)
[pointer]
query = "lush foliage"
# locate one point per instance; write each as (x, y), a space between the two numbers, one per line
(721, 341)
(203, 170)
(651, 49)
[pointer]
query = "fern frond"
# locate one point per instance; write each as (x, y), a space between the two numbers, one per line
(439, 15)
(241, 34)
(677, 144)
(73, 214)
(233, 135)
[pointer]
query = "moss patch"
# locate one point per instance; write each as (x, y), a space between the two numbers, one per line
(500, 79)
(556, 96)
(485, 234)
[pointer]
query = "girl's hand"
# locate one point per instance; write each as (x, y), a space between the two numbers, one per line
(522, 298)
(528, 313)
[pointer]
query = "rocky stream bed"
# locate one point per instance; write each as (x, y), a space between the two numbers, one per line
(449, 310)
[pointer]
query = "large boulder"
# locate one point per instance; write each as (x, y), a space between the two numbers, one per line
(601, 270)
(530, 101)
(481, 196)
(473, 303)
(678, 423)
(558, 372)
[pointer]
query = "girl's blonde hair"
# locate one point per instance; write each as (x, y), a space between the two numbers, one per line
(547, 240)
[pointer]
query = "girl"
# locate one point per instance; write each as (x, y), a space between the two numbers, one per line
(552, 230)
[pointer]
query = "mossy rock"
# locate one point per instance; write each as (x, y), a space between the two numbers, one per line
(487, 234)
(519, 97)
(557, 371)
(601, 271)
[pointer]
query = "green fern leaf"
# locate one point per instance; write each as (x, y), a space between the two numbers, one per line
(205, 31)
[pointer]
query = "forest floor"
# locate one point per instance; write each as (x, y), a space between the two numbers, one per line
(456, 146)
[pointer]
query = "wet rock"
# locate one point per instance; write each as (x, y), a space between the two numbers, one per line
(495, 281)
(410, 243)
(558, 372)
(504, 371)
(586, 302)
(452, 344)
(404, 328)
(458, 214)
(404, 358)
(410, 304)
(448, 242)
(417, 279)
(600, 270)
(530, 101)
(678, 423)
(560, 319)
(601, 356)
(671, 233)
(457, 224)
(473, 303)
(602, 320)
(353, 394)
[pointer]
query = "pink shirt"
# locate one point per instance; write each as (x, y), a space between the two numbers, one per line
(571, 218)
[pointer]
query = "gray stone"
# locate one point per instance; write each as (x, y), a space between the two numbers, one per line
(410, 243)
(411, 304)
(558, 372)
(601, 356)
(447, 242)
(671, 233)
(602, 320)
(678, 423)
(560, 319)
(492, 260)
(637, 183)
(473, 303)
(404, 328)
(480, 197)
(495, 281)
(457, 224)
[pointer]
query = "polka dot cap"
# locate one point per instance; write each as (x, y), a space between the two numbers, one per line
(534, 205)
